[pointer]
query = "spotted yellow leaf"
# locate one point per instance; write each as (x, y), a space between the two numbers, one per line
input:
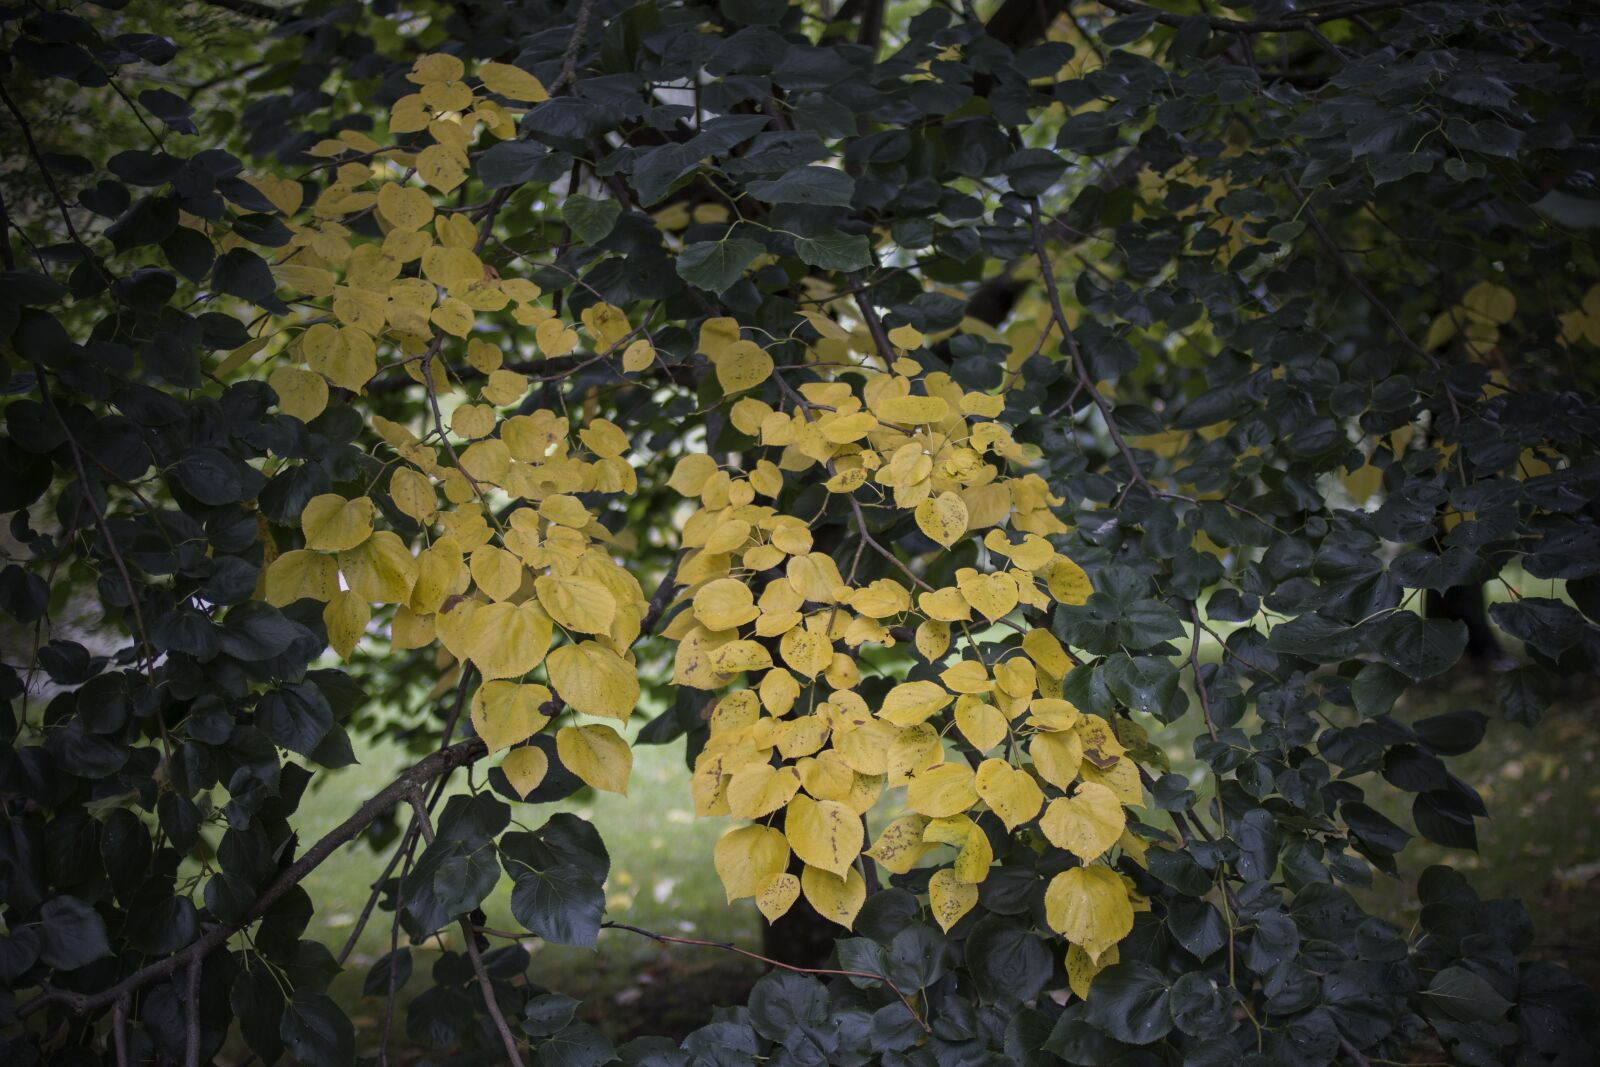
(949, 898)
(943, 518)
(824, 833)
(836, 898)
(777, 895)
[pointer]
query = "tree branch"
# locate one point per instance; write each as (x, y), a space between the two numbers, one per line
(424, 770)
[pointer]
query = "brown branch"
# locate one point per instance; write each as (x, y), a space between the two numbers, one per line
(119, 1029)
(569, 58)
(423, 770)
(728, 946)
(513, 1052)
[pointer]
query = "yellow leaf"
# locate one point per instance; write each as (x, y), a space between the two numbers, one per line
(284, 193)
(1085, 824)
(724, 604)
(1047, 653)
(555, 338)
(346, 616)
(380, 569)
(507, 640)
(508, 713)
(1058, 756)
(913, 410)
(637, 356)
(949, 898)
(933, 639)
(513, 83)
(404, 207)
(944, 605)
(991, 595)
(1089, 906)
(760, 789)
(301, 574)
(910, 703)
(596, 754)
(1494, 302)
(975, 856)
(332, 524)
(301, 393)
(441, 572)
(900, 845)
(777, 896)
(497, 572)
(735, 657)
(440, 167)
(967, 676)
(594, 679)
(747, 859)
(741, 365)
(910, 751)
(412, 492)
(807, 652)
(436, 68)
(943, 518)
(453, 316)
(1068, 583)
(983, 725)
(525, 768)
(1081, 970)
(905, 337)
(943, 790)
(577, 603)
(1011, 793)
(823, 833)
(837, 899)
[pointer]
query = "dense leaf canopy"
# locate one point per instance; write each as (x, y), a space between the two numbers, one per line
(905, 409)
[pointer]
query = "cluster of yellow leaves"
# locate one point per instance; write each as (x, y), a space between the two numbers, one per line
(493, 596)
(776, 624)
(424, 280)
(512, 574)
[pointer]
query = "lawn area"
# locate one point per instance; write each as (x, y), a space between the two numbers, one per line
(1542, 844)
